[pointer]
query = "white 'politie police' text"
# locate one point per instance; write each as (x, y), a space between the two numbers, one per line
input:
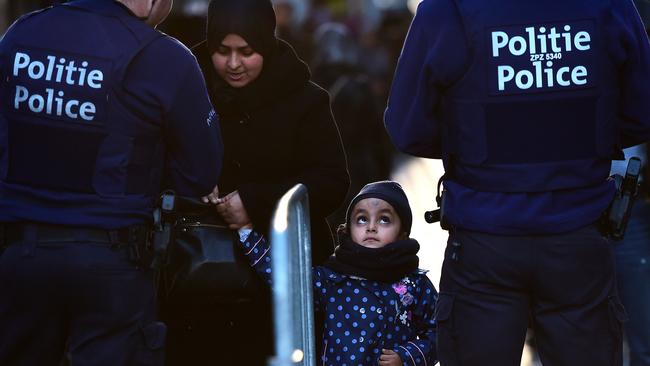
(544, 47)
(55, 70)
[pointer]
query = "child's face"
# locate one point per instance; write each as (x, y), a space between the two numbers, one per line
(374, 223)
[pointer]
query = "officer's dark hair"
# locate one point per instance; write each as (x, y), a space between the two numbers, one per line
(253, 20)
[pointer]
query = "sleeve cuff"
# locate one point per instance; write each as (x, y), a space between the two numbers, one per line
(405, 356)
(244, 233)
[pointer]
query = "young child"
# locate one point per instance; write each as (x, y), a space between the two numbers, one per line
(378, 306)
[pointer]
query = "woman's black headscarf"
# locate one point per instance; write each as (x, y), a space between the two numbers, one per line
(253, 20)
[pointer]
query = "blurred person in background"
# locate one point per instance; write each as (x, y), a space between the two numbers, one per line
(336, 67)
(321, 11)
(288, 30)
(380, 49)
(527, 112)
(278, 131)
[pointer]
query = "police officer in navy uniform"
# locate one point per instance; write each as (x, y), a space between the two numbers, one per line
(526, 103)
(98, 108)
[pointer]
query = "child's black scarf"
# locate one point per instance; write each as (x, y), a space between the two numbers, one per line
(387, 264)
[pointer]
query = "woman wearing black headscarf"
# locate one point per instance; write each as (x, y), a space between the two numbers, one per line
(278, 131)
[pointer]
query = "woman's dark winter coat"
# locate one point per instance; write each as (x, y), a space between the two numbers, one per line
(279, 131)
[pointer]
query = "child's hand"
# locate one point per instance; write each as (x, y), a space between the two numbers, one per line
(389, 358)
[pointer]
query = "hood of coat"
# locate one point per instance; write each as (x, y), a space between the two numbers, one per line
(281, 75)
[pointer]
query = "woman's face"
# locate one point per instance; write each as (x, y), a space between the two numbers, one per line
(236, 62)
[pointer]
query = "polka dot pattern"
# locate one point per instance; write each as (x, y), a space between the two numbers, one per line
(363, 316)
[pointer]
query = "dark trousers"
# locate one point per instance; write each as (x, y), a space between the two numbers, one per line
(633, 273)
(220, 334)
(77, 303)
(225, 334)
(492, 287)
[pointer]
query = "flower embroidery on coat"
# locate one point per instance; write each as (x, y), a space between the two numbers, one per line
(401, 288)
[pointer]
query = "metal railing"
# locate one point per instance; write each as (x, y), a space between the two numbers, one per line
(292, 281)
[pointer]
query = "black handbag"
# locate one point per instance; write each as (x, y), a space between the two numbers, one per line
(203, 262)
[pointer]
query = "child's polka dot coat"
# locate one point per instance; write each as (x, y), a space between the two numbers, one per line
(363, 316)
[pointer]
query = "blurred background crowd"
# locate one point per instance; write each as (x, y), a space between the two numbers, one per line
(351, 47)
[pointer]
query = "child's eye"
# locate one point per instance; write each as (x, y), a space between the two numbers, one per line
(362, 219)
(223, 50)
(384, 220)
(248, 52)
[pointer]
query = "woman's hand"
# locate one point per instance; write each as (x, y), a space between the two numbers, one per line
(212, 197)
(389, 358)
(232, 209)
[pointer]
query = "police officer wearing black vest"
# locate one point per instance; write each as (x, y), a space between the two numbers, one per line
(98, 108)
(526, 103)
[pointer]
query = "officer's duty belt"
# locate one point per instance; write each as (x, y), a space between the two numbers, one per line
(45, 233)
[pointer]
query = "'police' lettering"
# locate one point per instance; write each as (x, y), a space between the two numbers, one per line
(55, 70)
(507, 74)
(543, 47)
(53, 105)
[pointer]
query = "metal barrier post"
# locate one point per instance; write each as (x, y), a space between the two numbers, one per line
(292, 281)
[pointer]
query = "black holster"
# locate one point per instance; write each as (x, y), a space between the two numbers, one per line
(139, 246)
(613, 222)
(163, 225)
(438, 215)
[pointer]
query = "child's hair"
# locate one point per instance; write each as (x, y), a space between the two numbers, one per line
(388, 191)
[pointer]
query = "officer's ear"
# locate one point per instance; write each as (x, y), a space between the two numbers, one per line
(160, 9)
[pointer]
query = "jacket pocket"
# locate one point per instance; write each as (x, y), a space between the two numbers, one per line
(152, 351)
(617, 316)
(446, 338)
(444, 307)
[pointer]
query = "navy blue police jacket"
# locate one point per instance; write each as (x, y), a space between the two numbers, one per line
(526, 105)
(98, 109)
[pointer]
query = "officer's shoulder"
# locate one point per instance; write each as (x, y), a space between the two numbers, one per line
(25, 18)
(440, 10)
(171, 50)
(34, 13)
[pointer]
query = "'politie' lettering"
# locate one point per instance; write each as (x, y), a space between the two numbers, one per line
(55, 71)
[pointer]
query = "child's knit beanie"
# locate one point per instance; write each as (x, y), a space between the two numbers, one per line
(390, 192)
